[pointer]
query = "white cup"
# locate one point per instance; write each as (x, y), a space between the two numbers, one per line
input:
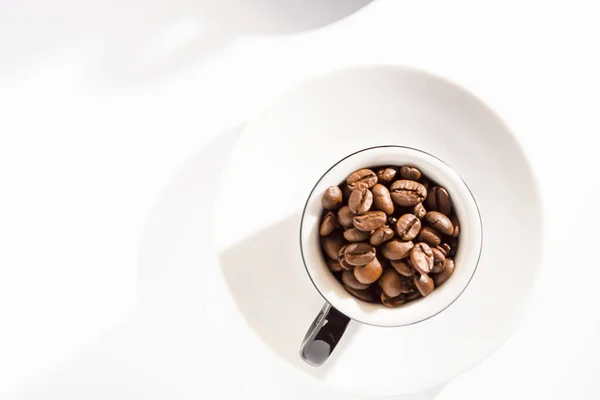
(340, 307)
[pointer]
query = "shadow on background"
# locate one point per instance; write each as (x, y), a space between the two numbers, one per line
(141, 39)
(157, 353)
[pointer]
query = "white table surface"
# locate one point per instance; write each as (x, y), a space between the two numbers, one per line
(109, 111)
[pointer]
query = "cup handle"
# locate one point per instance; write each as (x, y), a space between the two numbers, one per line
(323, 335)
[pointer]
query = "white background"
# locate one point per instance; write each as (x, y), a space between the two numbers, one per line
(106, 112)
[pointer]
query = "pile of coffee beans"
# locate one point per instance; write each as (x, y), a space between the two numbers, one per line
(389, 236)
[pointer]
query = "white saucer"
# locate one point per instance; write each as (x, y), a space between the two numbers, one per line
(277, 160)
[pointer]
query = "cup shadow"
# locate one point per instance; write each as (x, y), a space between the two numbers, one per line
(156, 354)
(269, 285)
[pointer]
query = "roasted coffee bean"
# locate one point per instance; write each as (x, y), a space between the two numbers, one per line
(349, 280)
(446, 272)
(421, 257)
(440, 222)
(392, 302)
(359, 253)
(386, 175)
(391, 283)
(413, 296)
(334, 266)
(362, 179)
(396, 249)
(456, 231)
(439, 200)
(419, 211)
(407, 193)
(430, 236)
(360, 201)
(328, 224)
(342, 260)
(332, 244)
(382, 200)
(370, 220)
(369, 234)
(444, 248)
(369, 273)
(332, 198)
(364, 295)
(410, 173)
(407, 285)
(402, 267)
(438, 260)
(345, 217)
(408, 226)
(424, 284)
(354, 235)
(381, 235)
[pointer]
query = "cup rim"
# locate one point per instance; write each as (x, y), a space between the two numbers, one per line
(310, 195)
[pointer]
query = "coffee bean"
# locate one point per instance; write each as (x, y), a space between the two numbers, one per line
(438, 260)
(440, 222)
(360, 201)
(413, 296)
(354, 235)
(446, 272)
(328, 225)
(439, 200)
(456, 231)
(407, 193)
(444, 248)
(362, 179)
(390, 283)
(421, 257)
(364, 295)
(369, 229)
(345, 217)
(382, 200)
(334, 266)
(410, 173)
(396, 249)
(419, 211)
(342, 260)
(407, 285)
(381, 235)
(332, 198)
(386, 175)
(332, 244)
(369, 273)
(359, 253)
(408, 226)
(349, 280)
(392, 302)
(430, 236)
(424, 284)
(402, 267)
(370, 221)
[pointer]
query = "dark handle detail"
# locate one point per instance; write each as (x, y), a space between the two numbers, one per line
(323, 335)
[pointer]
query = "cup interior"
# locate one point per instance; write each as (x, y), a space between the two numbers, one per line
(466, 259)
